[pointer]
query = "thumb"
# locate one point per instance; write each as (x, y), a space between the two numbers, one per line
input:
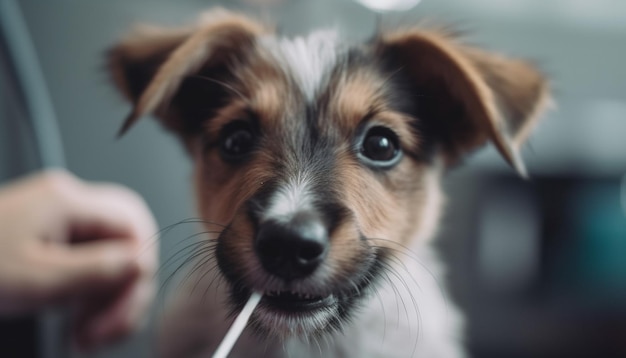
(91, 268)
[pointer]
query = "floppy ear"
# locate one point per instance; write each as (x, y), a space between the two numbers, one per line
(468, 95)
(152, 66)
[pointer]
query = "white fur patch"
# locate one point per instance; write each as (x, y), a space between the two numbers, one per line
(308, 60)
(293, 197)
(290, 325)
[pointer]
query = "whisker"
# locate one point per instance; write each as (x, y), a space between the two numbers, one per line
(162, 232)
(169, 260)
(204, 255)
(177, 257)
(207, 272)
(413, 256)
(415, 305)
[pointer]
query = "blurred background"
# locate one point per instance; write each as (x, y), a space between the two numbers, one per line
(539, 266)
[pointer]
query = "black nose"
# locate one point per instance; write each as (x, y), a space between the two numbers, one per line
(292, 249)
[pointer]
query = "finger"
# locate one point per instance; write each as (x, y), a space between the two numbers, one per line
(100, 212)
(66, 205)
(107, 210)
(89, 268)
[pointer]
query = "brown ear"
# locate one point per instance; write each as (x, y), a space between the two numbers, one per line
(470, 95)
(150, 66)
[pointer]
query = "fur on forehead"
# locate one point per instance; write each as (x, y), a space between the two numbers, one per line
(464, 96)
(308, 60)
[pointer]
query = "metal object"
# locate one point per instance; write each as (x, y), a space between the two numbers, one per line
(32, 82)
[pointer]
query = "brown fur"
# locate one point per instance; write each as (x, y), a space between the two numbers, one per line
(501, 97)
(218, 36)
(359, 96)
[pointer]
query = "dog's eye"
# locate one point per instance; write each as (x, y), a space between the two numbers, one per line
(380, 146)
(237, 140)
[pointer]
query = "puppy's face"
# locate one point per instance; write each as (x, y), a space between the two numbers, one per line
(321, 158)
(308, 164)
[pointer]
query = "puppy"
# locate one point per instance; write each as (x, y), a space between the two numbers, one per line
(318, 163)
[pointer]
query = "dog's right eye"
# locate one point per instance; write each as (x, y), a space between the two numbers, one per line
(380, 148)
(237, 140)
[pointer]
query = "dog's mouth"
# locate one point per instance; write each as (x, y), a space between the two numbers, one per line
(302, 312)
(301, 308)
(289, 303)
(293, 301)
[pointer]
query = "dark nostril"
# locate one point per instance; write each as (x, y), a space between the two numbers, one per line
(310, 251)
(292, 249)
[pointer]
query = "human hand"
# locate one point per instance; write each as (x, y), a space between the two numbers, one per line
(65, 241)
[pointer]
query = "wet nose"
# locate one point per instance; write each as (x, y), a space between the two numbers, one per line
(292, 249)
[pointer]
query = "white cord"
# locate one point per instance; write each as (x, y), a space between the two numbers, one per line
(238, 326)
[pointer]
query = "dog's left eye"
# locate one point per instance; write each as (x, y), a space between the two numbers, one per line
(237, 140)
(380, 146)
